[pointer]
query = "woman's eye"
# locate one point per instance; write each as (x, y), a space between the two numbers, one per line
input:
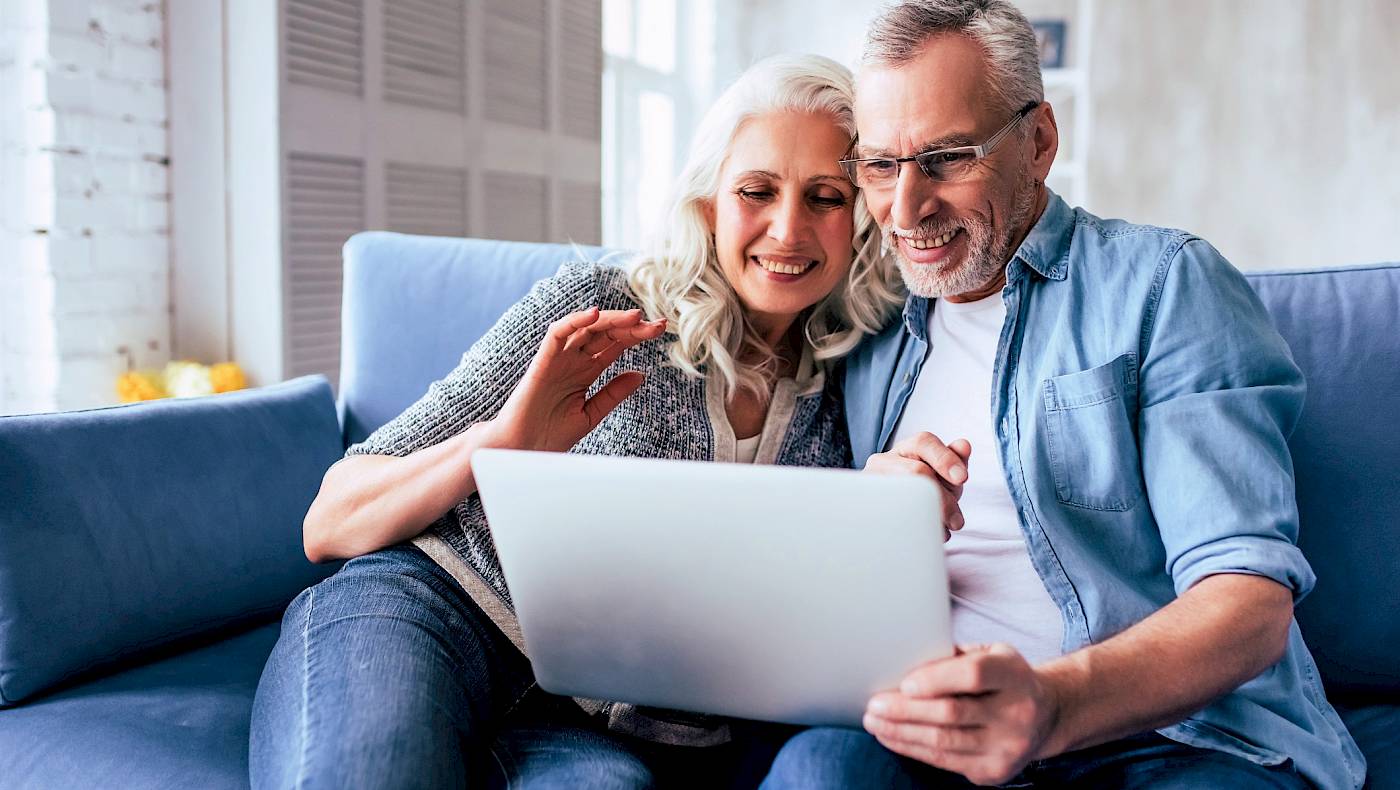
(755, 194)
(829, 201)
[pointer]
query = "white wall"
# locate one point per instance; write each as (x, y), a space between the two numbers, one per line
(84, 207)
(1269, 127)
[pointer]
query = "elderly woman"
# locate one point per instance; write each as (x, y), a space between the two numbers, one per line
(406, 667)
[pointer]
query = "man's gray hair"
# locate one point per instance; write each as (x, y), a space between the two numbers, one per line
(900, 32)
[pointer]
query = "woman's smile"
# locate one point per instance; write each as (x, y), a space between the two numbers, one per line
(783, 268)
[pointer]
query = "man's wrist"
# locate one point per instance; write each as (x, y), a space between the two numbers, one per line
(1061, 680)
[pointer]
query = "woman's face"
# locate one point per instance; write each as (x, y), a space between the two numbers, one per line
(783, 217)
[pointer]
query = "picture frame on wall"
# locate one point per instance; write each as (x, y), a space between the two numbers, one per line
(1050, 37)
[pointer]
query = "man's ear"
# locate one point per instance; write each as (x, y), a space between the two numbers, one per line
(1046, 138)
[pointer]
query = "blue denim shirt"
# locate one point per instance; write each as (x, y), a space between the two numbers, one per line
(1142, 402)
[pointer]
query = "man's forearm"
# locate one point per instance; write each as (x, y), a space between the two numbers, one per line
(1222, 632)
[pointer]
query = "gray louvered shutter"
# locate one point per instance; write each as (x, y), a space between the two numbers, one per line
(580, 212)
(517, 67)
(325, 206)
(424, 54)
(430, 201)
(324, 44)
(517, 208)
(580, 69)
(441, 117)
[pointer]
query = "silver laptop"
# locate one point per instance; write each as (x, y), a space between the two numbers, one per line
(763, 592)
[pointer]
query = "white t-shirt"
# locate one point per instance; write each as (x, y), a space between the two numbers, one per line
(997, 594)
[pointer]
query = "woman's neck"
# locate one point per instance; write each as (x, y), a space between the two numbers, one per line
(784, 341)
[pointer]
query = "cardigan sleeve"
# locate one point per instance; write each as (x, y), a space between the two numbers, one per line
(478, 387)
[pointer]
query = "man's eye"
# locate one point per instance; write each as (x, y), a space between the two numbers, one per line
(878, 167)
(951, 157)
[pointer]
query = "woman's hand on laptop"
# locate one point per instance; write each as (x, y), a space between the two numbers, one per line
(945, 464)
(550, 408)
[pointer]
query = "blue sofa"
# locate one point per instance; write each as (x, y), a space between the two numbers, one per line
(147, 550)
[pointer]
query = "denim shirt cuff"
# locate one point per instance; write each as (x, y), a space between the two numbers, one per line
(1272, 558)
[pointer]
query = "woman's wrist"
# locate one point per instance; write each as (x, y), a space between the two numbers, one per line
(468, 442)
(489, 434)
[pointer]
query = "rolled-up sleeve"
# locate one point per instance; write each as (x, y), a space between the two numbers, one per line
(1219, 396)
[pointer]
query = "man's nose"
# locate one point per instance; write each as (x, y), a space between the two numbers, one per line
(915, 197)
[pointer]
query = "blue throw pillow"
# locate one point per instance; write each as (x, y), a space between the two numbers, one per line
(125, 528)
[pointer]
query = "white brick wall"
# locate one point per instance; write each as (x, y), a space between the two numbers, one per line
(84, 199)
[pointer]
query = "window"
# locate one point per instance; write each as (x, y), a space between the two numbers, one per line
(656, 83)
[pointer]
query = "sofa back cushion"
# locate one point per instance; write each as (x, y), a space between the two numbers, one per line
(125, 528)
(414, 304)
(1342, 327)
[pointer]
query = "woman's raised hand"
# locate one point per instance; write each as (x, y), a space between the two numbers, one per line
(549, 408)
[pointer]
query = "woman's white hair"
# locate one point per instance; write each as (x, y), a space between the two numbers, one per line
(679, 277)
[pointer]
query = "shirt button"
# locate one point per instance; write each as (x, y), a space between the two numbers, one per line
(908, 377)
(1005, 425)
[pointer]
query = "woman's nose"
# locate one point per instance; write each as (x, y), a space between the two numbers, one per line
(789, 223)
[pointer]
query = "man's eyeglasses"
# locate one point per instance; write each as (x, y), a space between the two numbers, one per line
(945, 164)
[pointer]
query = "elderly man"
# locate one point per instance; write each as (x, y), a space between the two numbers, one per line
(1116, 406)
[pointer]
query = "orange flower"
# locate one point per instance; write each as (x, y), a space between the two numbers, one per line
(140, 385)
(227, 377)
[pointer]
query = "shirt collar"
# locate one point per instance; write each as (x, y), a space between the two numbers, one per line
(1045, 250)
(916, 316)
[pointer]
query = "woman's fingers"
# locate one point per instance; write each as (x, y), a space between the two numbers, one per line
(595, 340)
(563, 330)
(607, 321)
(599, 341)
(613, 393)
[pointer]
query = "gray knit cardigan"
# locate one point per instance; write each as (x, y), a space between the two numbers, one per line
(672, 416)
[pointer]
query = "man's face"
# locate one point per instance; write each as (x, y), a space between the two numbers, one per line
(951, 238)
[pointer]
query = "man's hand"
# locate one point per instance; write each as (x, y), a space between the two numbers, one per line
(927, 455)
(984, 713)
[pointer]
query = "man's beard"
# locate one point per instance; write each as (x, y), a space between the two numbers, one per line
(986, 257)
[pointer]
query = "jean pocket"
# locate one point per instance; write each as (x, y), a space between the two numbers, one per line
(1091, 431)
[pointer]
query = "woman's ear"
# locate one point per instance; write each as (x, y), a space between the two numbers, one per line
(707, 210)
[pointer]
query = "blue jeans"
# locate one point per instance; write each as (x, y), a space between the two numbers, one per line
(388, 675)
(828, 757)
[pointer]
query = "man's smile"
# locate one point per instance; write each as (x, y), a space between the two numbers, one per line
(932, 249)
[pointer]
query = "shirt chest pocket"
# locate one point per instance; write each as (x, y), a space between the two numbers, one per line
(1091, 433)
